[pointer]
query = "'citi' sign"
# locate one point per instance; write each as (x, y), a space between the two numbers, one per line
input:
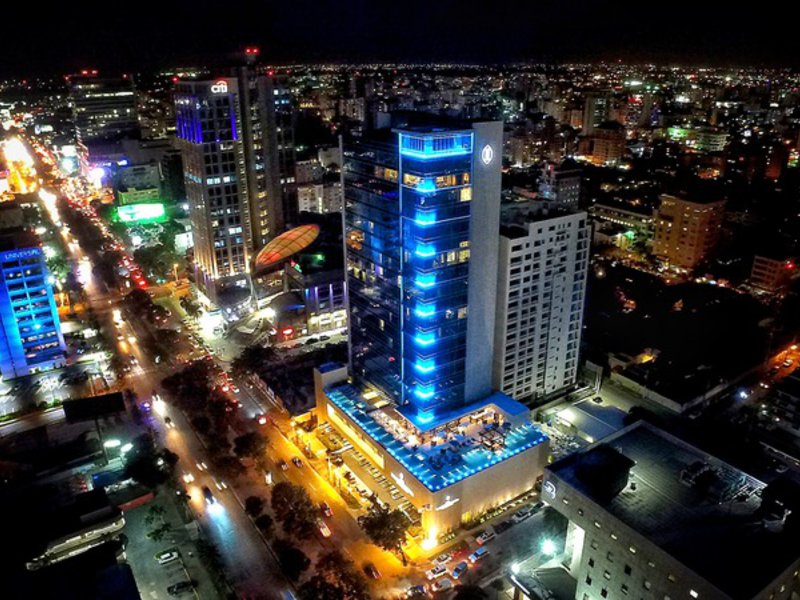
(220, 87)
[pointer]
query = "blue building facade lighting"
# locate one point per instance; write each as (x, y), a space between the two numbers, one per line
(30, 331)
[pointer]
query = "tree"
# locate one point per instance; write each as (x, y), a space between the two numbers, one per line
(336, 577)
(294, 509)
(251, 444)
(155, 513)
(469, 592)
(160, 532)
(265, 525)
(147, 466)
(293, 560)
(386, 529)
(254, 505)
(230, 466)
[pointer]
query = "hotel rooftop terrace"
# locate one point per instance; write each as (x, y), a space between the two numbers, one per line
(468, 442)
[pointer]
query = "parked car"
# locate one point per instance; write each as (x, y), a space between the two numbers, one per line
(167, 556)
(485, 537)
(459, 570)
(479, 554)
(282, 464)
(180, 588)
(417, 591)
(442, 585)
(443, 558)
(326, 509)
(297, 462)
(436, 572)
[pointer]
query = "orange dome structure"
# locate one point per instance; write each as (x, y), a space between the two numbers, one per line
(279, 250)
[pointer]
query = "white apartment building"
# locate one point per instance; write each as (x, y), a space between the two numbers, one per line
(540, 299)
(320, 198)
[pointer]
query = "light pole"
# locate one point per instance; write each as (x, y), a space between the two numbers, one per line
(175, 271)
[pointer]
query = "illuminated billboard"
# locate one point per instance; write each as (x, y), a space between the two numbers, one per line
(141, 213)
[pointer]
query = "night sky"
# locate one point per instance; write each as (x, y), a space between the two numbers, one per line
(117, 36)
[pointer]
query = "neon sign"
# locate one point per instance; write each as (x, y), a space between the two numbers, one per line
(401, 481)
(448, 502)
(487, 154)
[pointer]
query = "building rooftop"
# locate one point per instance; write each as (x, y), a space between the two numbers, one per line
(456, 446)
(700, 510)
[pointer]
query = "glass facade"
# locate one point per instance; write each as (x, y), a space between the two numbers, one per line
(31, 330)
(407, 221)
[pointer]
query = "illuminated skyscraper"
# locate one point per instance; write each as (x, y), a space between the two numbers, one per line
(421, 219)
(227, 134)
(422, 211)
(30, 330)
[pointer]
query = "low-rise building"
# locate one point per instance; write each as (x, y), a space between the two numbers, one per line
(653, 517)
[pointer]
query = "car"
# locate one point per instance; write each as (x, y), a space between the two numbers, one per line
(261, 419)
(787, 363)
(479, 554)
(201, 466)
(503, 526)
(522, 514)
(485, 537)
(282, 464)
(442, 585)
(459, 570)
(168, 422)
(597, 400)
(443, 558)
(120, 337)
(323, 529)
(436, 572)
(221, 485)
(208, 495)
(326, 509)
(371, 571)
(167, 556)
(297, 462)
(417, 591)
(187, 477)
(179, 588)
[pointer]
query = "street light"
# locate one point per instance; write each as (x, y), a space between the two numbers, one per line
(548, 547)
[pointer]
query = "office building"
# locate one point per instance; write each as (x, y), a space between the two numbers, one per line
(560, 185)
(104, 109)
(227, 134)
(653, 517)
(422, 204)
(30, 336)
(686, 231)
(541, 291)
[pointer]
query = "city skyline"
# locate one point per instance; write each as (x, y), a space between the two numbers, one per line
(354, 31)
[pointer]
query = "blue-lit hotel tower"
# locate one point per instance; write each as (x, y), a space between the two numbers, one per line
(421, 219)
(30, 335)
(421, 222)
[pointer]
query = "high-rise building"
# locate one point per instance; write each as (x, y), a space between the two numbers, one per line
(227, 134)
(323, 197)
(560, 184)
(686, 231)
(416, 255)
(103, 109)
(541, 291)
(595, 111)
(422, 206)
(30, 335)
(653, 517)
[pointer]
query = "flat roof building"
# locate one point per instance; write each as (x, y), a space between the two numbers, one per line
(653, 517)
